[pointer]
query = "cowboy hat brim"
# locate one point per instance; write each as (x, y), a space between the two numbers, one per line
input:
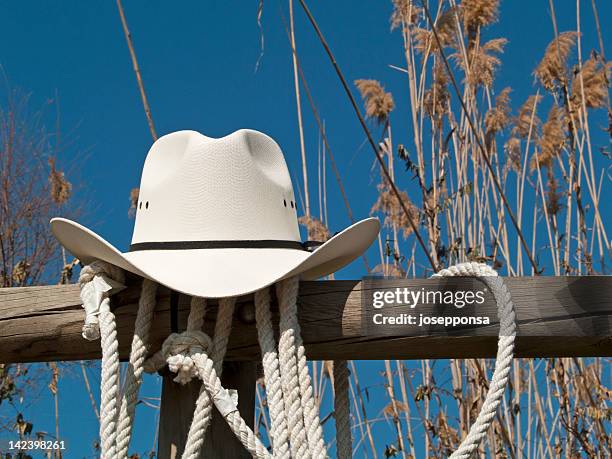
(217, 273)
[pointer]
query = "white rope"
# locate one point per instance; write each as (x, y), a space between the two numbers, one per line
(288, 310)
(203, 411)
(274, 394)
(505, 351)
(344, 440)
(289, 371)
(226, 404)
(140, 344)
(95, 282)
(295, 424)
(109, 384)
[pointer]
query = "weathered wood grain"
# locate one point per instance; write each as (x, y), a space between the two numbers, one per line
(557, 316)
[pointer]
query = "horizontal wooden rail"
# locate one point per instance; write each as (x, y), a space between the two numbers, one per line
(557, 316)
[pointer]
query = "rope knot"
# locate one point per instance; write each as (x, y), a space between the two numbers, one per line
(178, 351)
(98, 281)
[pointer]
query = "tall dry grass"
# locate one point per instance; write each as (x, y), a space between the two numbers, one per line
(516, 184)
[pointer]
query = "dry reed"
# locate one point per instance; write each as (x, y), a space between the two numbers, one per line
(378, 103)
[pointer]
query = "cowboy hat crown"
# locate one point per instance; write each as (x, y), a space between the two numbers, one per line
(196, 188)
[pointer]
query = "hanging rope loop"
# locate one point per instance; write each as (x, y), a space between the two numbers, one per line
(505, 351)
(98, 281)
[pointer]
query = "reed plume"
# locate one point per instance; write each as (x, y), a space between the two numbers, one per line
(436, 99)
(21, 272)
(317, 231)
(552, 69)
(512, 147)
(388, 204)
(498, 117)
(392, 270)
(594, 79)
(446, 26)
(483, 62)
(552, 139)
(553, 195)
(395, 407)
(527, 118)
(134, 195)
(405, 12)
(60, 187)
(377, 102)
(477, 13)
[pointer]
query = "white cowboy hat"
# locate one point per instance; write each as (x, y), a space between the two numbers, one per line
(217, 218)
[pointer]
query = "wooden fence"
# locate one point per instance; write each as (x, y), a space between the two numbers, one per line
(556, 316)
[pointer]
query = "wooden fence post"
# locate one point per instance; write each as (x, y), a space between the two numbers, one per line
(178, 403)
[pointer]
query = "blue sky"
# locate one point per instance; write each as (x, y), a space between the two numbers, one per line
(198, 64)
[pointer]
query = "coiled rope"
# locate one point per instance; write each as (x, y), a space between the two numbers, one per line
(295, 424)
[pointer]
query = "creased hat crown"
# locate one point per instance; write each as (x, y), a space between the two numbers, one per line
(197, 188)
